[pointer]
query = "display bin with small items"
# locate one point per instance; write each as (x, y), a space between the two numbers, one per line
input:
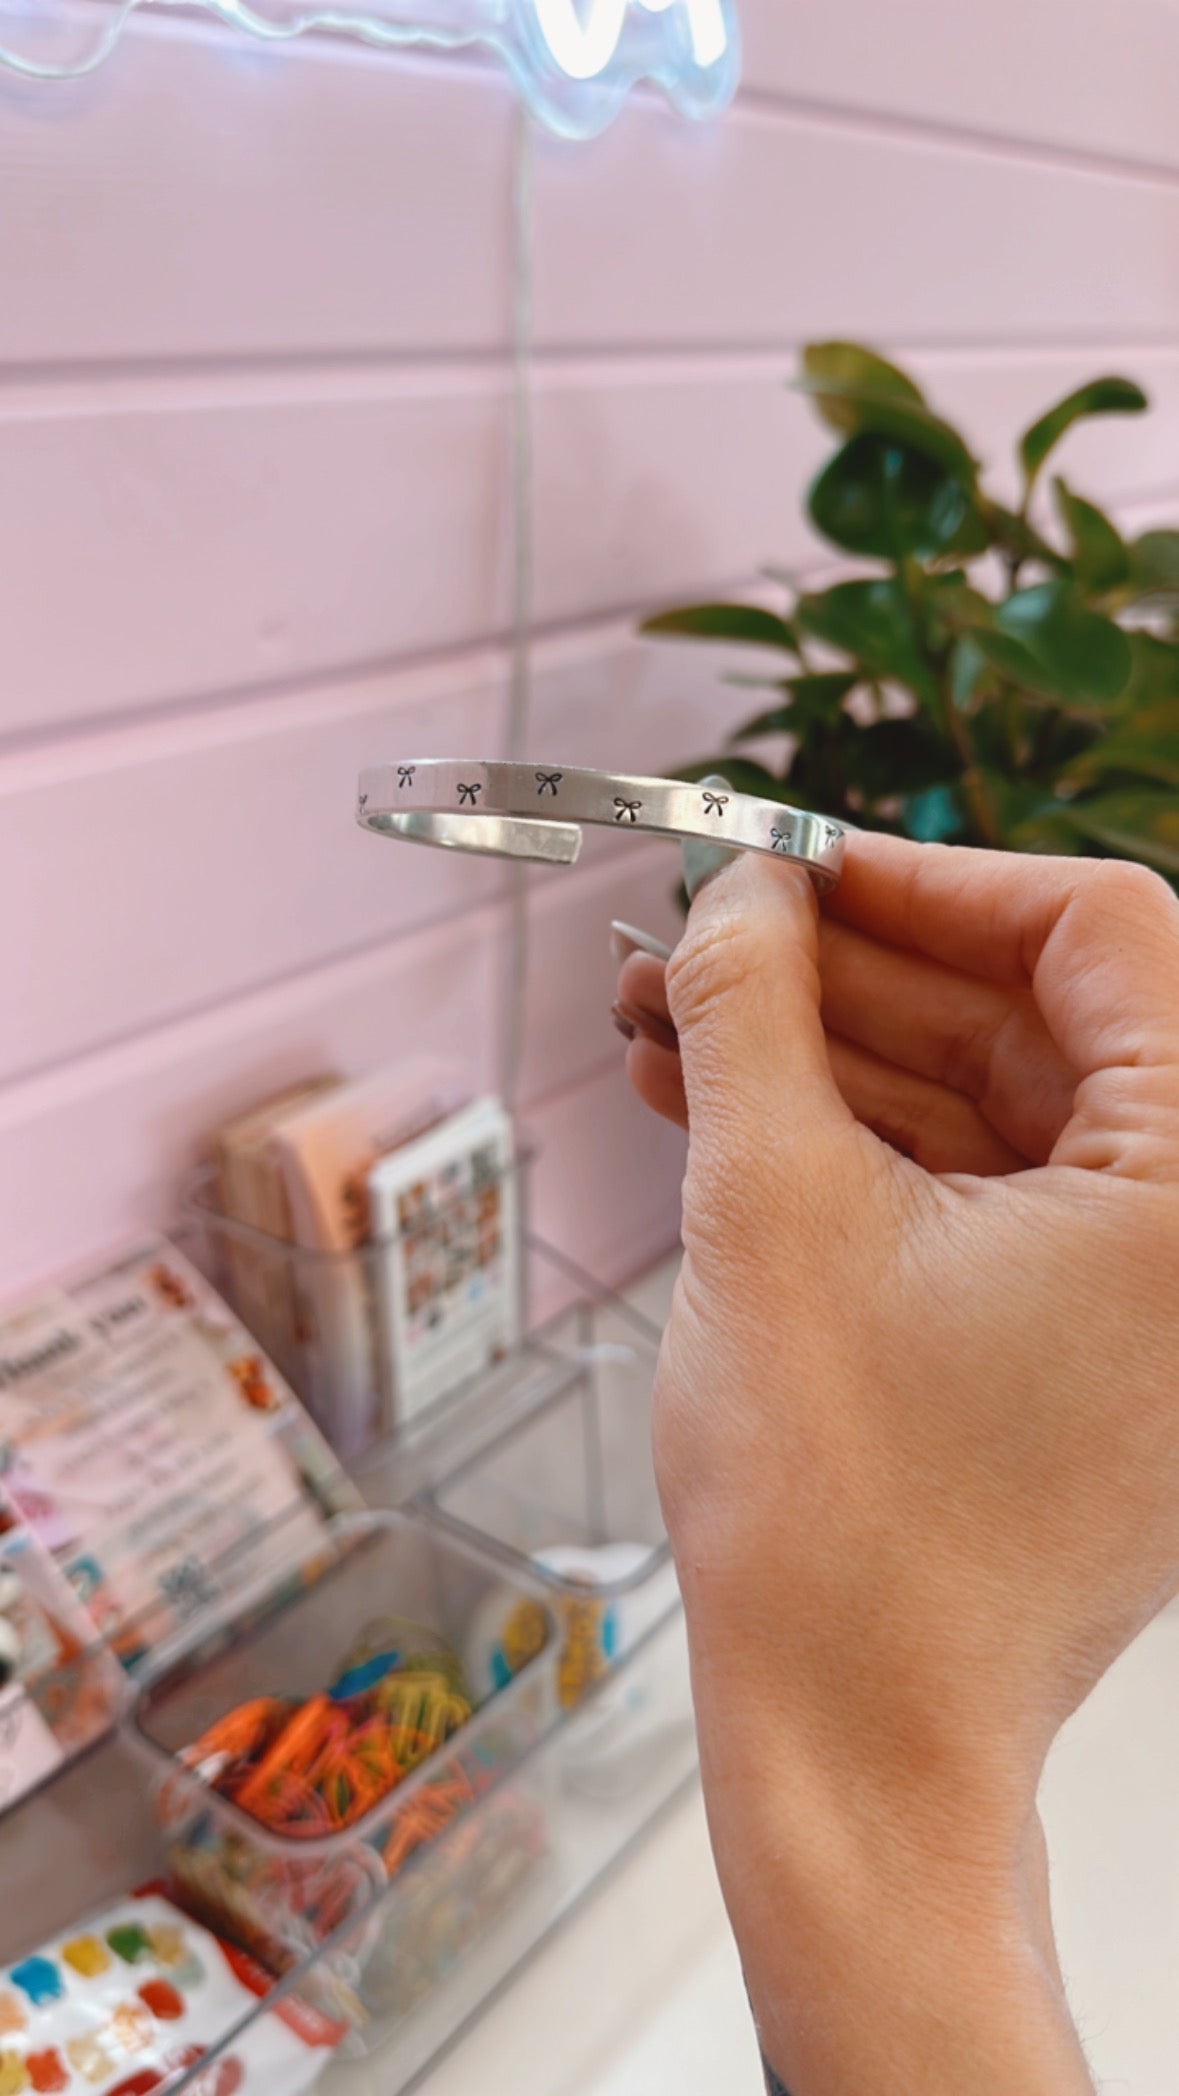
(276, 1951)
(430, 1951)
(378, 1748)
(299, 1766)
(390, 1339)
(566, 1493)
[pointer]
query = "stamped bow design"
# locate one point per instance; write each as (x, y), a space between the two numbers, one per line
(362, 804)
(831, 833)
(626, 811)
(782, 839)
(405, 774)
(715, 804)
(548, 782)
(468, 795)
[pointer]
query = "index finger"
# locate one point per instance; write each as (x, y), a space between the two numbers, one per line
(1097, 940)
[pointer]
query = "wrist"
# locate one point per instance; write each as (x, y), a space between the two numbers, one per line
(880, 1961)
(880, 2000)
(866, 1982)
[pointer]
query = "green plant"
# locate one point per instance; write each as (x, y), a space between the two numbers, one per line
(1004, 677)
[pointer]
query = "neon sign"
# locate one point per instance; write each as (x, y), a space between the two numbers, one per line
(575, 61)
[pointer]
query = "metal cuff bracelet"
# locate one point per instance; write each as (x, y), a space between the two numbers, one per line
(518, 811)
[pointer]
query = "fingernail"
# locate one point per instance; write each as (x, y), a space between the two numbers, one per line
(701, 861)
(633, 1019)
(626, 939)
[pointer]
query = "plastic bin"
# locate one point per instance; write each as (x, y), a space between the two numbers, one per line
(550, 1451)
(566, 1494)
(423, 1956)
(323, 1317)
(396, 1581)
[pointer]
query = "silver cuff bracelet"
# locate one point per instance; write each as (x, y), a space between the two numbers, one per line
(520, 811)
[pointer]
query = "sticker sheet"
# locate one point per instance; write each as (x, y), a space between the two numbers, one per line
(131, 2002)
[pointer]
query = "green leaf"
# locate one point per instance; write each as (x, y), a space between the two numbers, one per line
(856, 411)
(934, 815)
(971, 672)
(851, 364)
(1045, 640)
(1100, 556)
(731, 622)
(951, 606)
(1102, 396)
(1154, 675)
(856, 391)
(1014, 536)
(1132, 825)
(1044, 828)
(780, 720)
(807, 699)
(1144, 743)
(1131, 756)
(1154, 564)
(883, 497)
(871, 622)
(743, 775)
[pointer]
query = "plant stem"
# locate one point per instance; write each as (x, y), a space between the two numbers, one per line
(974, 786)
(800, 651)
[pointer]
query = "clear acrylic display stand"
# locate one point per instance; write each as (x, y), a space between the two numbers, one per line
(563, 1773)
(322, 1316)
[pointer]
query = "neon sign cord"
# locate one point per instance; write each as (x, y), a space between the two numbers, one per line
(523, 565)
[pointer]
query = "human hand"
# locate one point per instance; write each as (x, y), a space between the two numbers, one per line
(915, 1427)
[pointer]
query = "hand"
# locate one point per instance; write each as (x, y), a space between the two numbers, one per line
(916, 1423)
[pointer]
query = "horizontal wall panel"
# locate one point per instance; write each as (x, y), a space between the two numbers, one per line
(182, 864)
(209, 853)
(219, 546)
(193, 874)
(99, 1150)
(770, 228)
(202, 197)
(607, 1179)
(196, 201)
(1089, 76)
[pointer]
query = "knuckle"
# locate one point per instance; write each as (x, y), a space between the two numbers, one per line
(1124, 887)
(732, 1196)
(723, 954)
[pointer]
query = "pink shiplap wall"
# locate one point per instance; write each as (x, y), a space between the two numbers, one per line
(255, 344)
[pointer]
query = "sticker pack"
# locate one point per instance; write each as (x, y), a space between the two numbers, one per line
(131, 2002)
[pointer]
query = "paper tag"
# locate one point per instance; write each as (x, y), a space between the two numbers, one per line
(28, 1750)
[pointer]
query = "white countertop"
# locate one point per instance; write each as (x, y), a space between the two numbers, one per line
(640, 1994)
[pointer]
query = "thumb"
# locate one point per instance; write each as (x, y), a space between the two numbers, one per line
(744, 991)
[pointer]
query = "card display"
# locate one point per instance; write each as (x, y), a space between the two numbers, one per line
(60, 1688)
(150, 1446)
(444, 1211)
(323, 1154)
